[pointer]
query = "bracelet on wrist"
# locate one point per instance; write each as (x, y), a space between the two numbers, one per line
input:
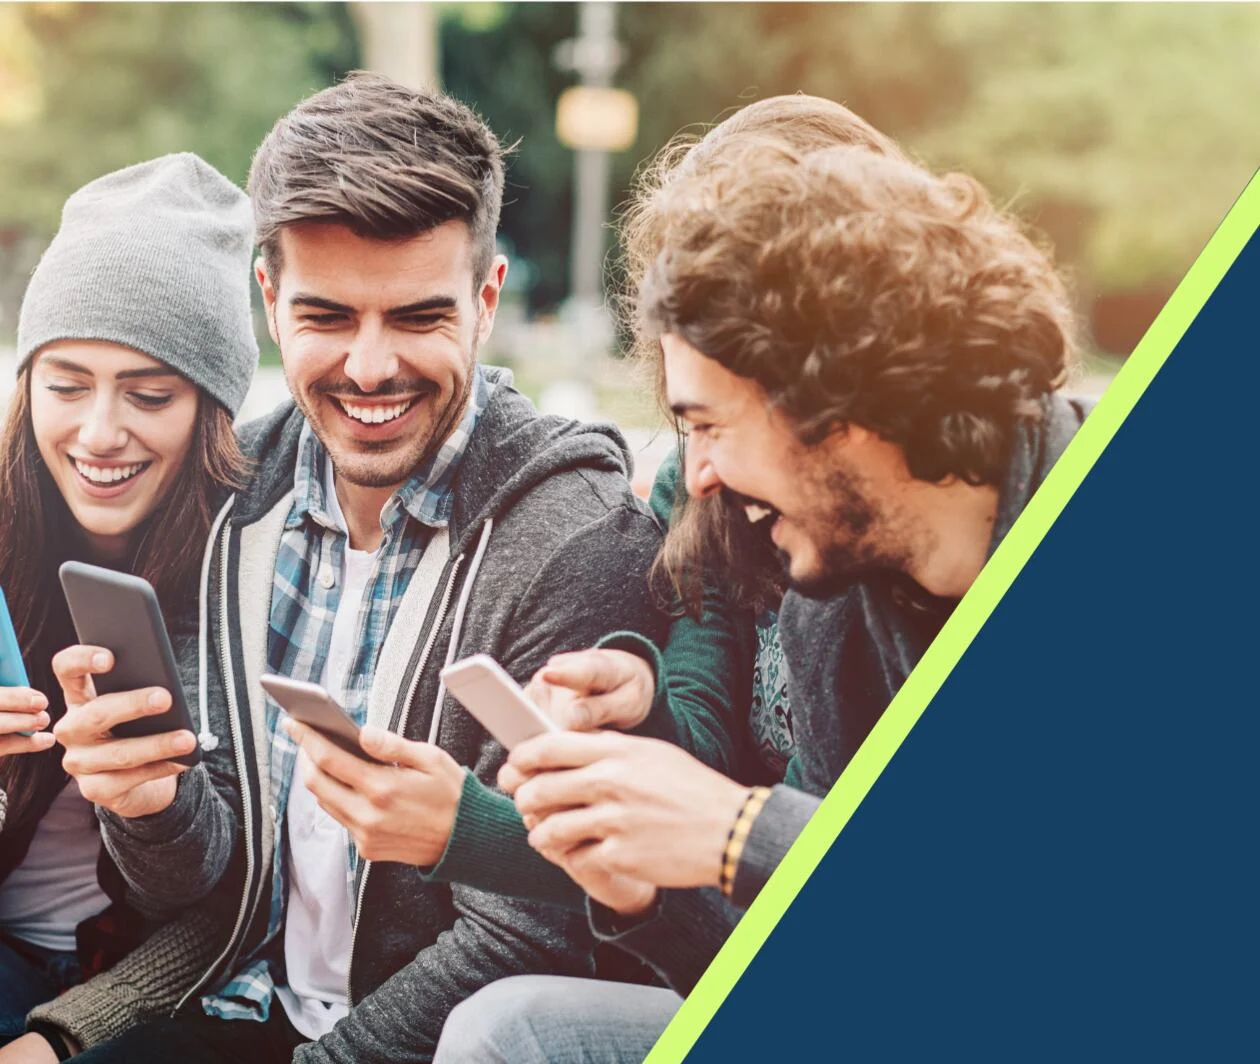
(734, 849)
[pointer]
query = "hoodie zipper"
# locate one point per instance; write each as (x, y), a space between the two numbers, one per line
(229, 684)
(443, 607)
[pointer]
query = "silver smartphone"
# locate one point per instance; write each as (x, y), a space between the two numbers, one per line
(496, 700)
(121, 613)
(316, 708)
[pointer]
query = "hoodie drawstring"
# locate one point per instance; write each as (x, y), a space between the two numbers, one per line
(208, 740)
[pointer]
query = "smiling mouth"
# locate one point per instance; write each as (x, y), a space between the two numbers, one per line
(375, 414)
(107, 476)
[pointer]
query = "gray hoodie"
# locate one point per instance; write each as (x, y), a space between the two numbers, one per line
(547, 549)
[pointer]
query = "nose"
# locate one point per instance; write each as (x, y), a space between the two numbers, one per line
(370, 362)
(700, 476)
(102, 430)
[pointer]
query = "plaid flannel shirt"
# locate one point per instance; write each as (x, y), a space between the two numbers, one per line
(299, 637)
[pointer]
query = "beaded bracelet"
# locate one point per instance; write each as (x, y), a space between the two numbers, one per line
(740, 830)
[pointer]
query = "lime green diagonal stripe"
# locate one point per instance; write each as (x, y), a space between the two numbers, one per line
(958, 633)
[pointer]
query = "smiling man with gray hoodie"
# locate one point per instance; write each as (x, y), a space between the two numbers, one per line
(411, 509)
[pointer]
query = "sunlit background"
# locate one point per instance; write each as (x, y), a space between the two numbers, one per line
(1122, 131)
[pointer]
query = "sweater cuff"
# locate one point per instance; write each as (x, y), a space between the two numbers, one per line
(170, 824)
(145, 985)
(489, 850)
(781, 819)
(659, 723)
(678, 936)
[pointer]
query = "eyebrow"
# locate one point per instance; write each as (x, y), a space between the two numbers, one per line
(422, 306)
(126, 375)
(685, 408)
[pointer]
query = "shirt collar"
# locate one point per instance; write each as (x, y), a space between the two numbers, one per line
(426, 496)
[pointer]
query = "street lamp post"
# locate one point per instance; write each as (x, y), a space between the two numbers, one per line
(594, 119)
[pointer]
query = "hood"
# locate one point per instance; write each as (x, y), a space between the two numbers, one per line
(512, 449)
(1037, 448)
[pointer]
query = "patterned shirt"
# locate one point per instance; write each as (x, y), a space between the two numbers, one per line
(771, 716)
(304, 598)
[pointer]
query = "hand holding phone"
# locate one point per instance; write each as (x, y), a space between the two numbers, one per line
(496, 700)
(22, 710)
(127, 731)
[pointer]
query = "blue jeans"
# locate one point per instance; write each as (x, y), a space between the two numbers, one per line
(29, 976)
(552, 1019)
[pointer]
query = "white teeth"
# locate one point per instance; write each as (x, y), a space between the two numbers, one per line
(757, 513)
(375, 415)
(107, 474)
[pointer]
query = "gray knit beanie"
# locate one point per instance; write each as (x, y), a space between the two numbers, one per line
(155, 257)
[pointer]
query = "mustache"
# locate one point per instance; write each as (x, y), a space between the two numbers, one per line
(347, 389)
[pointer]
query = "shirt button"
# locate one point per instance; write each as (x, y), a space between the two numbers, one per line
(326, 577)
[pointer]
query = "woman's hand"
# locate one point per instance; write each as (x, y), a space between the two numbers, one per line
(23, 710)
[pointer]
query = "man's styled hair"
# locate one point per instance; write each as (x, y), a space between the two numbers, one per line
(383, 160)
(858, 288)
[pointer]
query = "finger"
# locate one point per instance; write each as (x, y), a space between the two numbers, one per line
(559, 750)
(26, 744)
(327, 756)
(563, 831)
(586, 672)
(124, 755)
(21, 700)
(94, 720)
(22, 722)
(334, 797)
(393, 749)
(550, 791)
(510, 778)
(107, 788)
(74, 668)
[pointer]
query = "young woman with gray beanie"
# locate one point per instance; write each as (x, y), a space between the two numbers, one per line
(135, 352)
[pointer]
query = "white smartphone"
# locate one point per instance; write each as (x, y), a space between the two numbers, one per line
(496, 700)
(315, 707)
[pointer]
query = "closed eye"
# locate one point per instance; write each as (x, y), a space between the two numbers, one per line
(149, 401)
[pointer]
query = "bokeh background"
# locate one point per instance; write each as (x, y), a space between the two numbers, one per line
(1122, 131)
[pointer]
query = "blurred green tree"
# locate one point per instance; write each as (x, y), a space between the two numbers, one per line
(1122, 131)
(119, 83)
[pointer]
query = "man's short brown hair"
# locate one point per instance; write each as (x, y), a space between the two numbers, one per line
(858, 288)
(385, 161)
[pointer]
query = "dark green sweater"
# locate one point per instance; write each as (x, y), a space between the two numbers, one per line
(703, 691)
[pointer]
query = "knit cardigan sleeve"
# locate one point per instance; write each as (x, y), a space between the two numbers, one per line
(145, 985)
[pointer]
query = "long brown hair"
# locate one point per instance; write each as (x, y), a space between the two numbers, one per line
(38, 533)
(709, 542)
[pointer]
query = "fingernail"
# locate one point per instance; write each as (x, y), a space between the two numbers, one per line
(184, 742)
(41, 721)
(100, 661)
(38, 701)
(156, 699)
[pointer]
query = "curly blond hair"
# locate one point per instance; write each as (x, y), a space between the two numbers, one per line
(858, 288)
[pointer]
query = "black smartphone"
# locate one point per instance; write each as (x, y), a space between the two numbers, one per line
(121, 613)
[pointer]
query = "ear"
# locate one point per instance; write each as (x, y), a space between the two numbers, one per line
(488, 297)
(269, 296)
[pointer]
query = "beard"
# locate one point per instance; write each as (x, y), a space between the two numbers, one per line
(853, 534)
(377, 464)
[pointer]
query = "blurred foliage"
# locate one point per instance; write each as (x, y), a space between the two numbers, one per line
(1123, 131)
(119, 83)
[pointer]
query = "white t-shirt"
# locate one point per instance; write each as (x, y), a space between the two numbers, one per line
(54, 889)
(319, 920)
